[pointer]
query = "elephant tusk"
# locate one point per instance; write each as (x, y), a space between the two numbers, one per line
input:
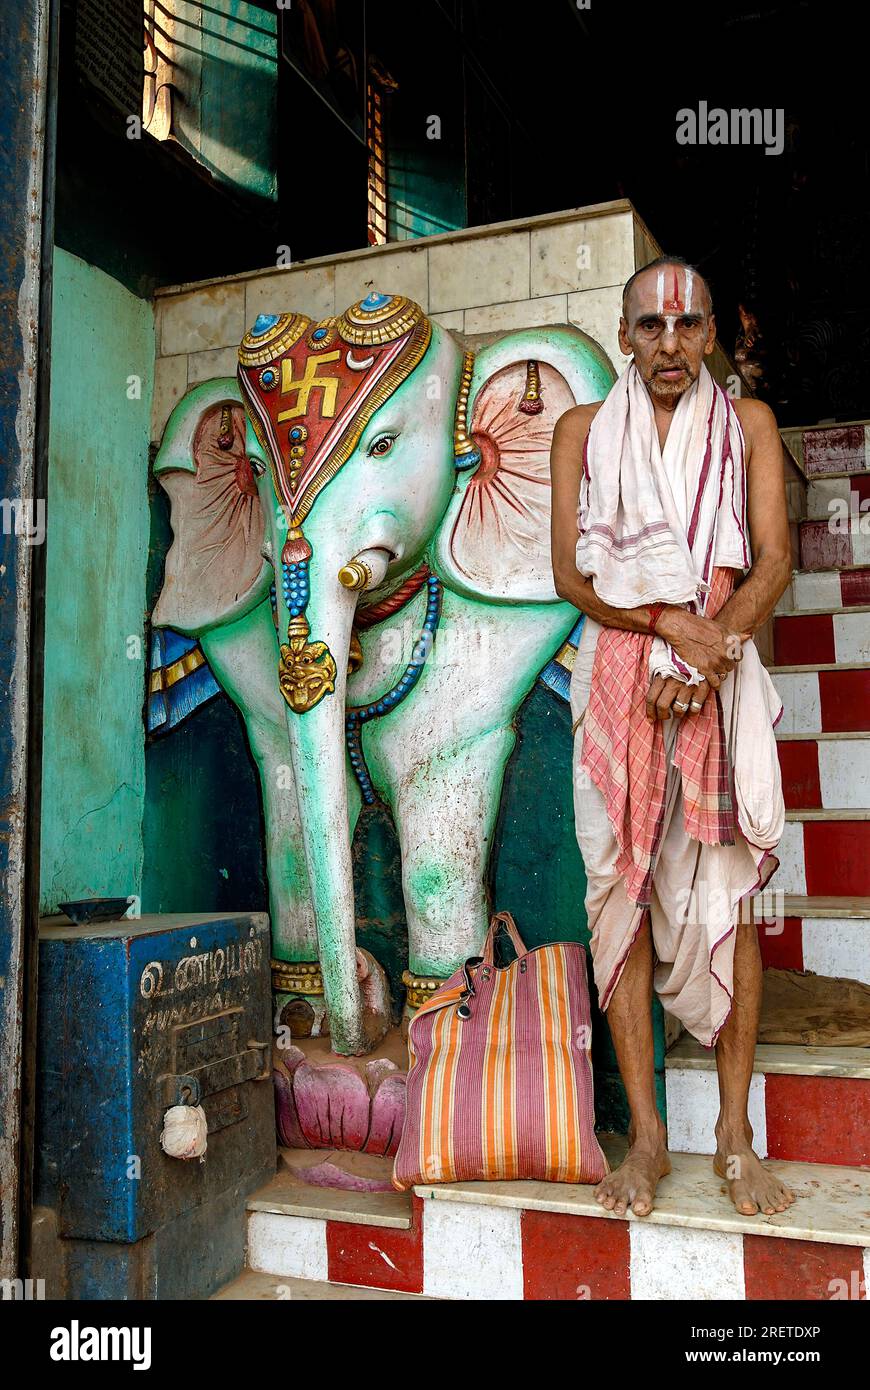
(355, 575)
(356, 366)
(366, 570)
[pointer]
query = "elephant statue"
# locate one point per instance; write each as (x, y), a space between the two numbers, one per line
(361, 549)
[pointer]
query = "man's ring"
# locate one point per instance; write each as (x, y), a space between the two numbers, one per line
(697, 706)
(681, 708)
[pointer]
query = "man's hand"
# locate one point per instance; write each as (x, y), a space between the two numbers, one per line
(668, 698)
(712, 649)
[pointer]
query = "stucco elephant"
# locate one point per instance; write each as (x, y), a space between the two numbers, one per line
(361, 546)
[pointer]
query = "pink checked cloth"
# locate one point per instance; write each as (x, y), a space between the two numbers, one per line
(624, 754)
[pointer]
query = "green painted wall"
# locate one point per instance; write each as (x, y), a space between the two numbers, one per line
(227, 77)
(97, 538)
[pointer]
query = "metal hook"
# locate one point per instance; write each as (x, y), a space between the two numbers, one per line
(464, 1010)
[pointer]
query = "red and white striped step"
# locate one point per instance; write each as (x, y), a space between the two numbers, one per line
(824, 450)
(792, 1095)
(836, 530)
(828, 545)
(827, 935)
(548, 1241)
(825, 854)
(825, 771)
(822, 637)
(823, 698)
(826, 589)
(836, 463)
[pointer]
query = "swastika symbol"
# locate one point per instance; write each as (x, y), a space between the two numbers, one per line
(307, 383)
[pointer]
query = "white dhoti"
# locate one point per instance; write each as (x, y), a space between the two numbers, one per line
(697, 888)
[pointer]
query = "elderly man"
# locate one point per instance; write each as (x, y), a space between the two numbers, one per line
(677, 552)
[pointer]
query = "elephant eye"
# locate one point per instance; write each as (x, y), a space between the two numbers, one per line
(258, 468)
(381, 446)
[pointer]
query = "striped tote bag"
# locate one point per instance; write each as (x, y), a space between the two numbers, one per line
(500, 1078)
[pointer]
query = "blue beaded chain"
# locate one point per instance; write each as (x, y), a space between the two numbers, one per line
(295, 586)
(363, 713)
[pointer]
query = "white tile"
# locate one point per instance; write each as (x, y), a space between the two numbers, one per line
(454, 320)
(205, 366)
(821, 493)
(672, 1263)
(208, 318)
(820, 590)
(790, 877)
(852, 636)
(472, 1251)
(170, 384)
(597, 312)
(521, 313)
(482, 270)
(304, 291)
(786, 601)
(837, 946)
(289, 1245)
(693, 1107)
(388, 272)
(861, 538)
(582, 255)
(801, 703)
(844, 772)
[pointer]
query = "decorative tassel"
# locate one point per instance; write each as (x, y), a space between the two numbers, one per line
(531, 403)
(296, 547)
(465, 452)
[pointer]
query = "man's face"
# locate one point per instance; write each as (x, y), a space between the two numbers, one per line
(669, 328)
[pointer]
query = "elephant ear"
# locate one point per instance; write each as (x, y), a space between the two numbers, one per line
(215, 571)
(494, 540)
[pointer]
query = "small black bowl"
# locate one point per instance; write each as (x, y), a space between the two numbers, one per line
(94, 910)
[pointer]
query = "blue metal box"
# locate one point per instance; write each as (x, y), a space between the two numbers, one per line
(136, 1016)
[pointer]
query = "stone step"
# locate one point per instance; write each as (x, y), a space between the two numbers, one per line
(841, 540)
(825, 770)
(827, 935)
(545, 1241)
(792, 1095)
(830, 449)
(253, 1285)
(833, 496)
(846, 588)
(822, 697)
(824, 636)
(825, 853)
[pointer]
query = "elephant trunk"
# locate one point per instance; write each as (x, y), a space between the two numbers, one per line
(318, 758)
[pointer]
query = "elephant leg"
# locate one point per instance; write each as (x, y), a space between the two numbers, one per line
(445, 811)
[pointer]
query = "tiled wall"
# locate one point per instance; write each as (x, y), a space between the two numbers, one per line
(562, 268)
(566, 267)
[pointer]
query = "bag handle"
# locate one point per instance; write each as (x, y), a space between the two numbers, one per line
(499, 920)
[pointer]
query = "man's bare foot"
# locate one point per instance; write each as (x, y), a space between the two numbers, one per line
(633, 1184)
(751, 1186)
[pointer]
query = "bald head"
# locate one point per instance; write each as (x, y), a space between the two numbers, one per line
(667, 326)
(669, 285)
